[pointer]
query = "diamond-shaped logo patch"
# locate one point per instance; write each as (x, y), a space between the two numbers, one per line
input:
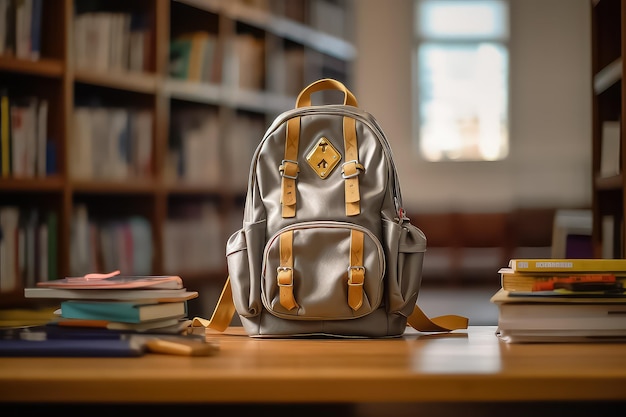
(323, 158)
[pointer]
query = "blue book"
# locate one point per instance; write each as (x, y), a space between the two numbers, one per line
(113, 347)
(122, 311)
(35, 29)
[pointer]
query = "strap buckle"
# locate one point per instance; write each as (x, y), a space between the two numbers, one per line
(355, 268)
(283, 167)
(287, 269)
(359, 168)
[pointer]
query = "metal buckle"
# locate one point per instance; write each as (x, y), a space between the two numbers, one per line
(284, 269)
(352, 268)
(359, 168)
(281, 169)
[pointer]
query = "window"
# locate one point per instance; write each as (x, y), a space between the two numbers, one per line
(461, 77)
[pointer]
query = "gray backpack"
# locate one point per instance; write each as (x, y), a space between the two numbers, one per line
(325, 248)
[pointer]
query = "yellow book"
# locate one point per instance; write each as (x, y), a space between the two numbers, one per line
(568, 265)
(550, 281)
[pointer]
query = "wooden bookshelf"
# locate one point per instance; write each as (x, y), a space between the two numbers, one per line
(132, 143)
(609, 96)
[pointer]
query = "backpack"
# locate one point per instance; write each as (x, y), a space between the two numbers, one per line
(325, 248)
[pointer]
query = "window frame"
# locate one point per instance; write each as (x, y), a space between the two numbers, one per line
(418, 39)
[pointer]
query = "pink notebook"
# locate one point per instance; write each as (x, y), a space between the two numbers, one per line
(115, 280)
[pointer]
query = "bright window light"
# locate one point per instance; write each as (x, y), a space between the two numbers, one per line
(461, 86)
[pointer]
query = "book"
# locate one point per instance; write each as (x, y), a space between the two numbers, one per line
(116, 282)
(567, 281)
(58, 341)
(610, 152)
(72, 348)
(122, 311)
(169, 325)
(505, 297)
(5, 134)
(568, 265)
(542, 318)
(160, 295)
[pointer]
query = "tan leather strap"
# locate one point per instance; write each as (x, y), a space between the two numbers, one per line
(225, 310)
(356, 271)
(223, 313)
(289, 169)
(419, 321)
(351, 168)
(304, 98)
(289, 166)
(284, 276)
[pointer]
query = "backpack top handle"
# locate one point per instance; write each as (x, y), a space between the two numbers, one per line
(304, 98)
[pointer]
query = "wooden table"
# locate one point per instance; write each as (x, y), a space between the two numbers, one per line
(464, 366)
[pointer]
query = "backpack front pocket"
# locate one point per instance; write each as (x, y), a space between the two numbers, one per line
(322, 270)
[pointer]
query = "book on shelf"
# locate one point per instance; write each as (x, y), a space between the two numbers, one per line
(193, 57)
(545, 318)
(9, 253)
(5, 133)
(567, 265)
(160, 295)
(610, 149)
(122, 311)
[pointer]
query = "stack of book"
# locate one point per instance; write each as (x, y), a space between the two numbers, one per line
(562, 300)
(155, 304)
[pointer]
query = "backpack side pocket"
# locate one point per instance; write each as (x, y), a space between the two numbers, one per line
(405, 245)
(244, 251)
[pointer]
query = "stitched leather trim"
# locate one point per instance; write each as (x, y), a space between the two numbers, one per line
(284, 276)
(288, 182)
(351, 168)
(356, 272)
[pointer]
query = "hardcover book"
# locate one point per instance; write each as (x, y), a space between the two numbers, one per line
(111, 294)
(568, 265)
(531, 318)
(108, 281)
(122, 311)
(565, 282)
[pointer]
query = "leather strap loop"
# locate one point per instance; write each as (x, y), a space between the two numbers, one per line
(289, 169)
(356, 271)
(284, 276)
(351, 168)
(304, 98)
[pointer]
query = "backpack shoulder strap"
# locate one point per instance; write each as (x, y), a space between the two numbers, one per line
(223, 313)
(225, 310)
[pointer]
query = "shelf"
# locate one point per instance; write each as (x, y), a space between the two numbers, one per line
(134, 186)
(608, 76)
(193, 91)
(43, 67)
(608, 37)
(615, 182)
(32, 184)
(279, 26)
(127, 81)
(135, 149)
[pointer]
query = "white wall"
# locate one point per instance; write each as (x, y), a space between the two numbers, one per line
(550, 92)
